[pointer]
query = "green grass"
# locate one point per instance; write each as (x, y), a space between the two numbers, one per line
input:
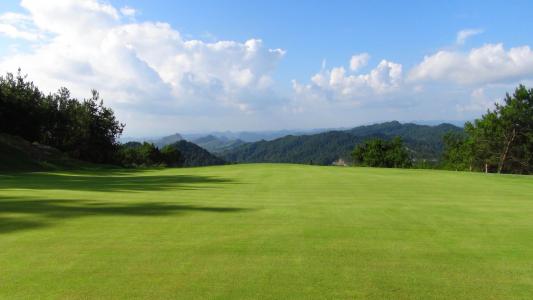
(266, 231)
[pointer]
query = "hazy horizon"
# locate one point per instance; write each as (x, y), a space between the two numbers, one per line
(197, 134)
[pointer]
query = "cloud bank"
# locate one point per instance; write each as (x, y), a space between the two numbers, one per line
(148, 66)
(491, 63)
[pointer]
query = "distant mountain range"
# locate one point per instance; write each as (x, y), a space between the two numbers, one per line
(216, 145)
(317, 146)
(167, 140)
(254, 136)
(158, 141)
(425, 143)
(245, 136)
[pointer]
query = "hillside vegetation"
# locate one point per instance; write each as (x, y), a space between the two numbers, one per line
(57, 131)
(178, 154)
(17, 154)
(266, 231)
(193, 155)
(84, 129)
(424, 143)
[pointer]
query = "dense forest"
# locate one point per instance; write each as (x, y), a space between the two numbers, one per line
(320, 149)
(179, 154)
(85, 130)
(424, 143)
(383, 154)
(39, 130)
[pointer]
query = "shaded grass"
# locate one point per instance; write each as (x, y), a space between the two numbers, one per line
(102, 182)
(266, 231)
(48, 211)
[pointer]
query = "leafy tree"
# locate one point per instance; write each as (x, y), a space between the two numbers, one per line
(86, 130)
(457, 154)
(515, 120)
(382, 153)
(22, 111)
(501, 140)
(135, 154)
(171, 155)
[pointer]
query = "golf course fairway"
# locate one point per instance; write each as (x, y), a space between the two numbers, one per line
(266, 231)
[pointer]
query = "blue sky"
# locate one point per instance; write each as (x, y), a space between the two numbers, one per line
(311, 31)
(297, 76)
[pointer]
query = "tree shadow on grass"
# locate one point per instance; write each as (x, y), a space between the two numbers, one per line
(23, 213)
(104, 182)
(19, 213)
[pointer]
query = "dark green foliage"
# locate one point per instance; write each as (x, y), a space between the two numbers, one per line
(171, 156)
(22, 109)
(423, 140)
(86, 130)
(382, 153)
(135, 154)
(457, 152)
(17, 154)
(179, 154)
(500, 141)
(424, 143)
(191, 155)
(319, 149)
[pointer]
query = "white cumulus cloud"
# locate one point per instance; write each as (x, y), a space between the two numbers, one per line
(138, 66)
(358, 61)
(336, 85)
(490, 63)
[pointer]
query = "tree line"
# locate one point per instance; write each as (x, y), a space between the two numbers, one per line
(135, 154)
(84, 129)
(501, 141)
(382, 153)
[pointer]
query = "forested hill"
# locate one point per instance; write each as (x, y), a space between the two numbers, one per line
(192, 155)
(17, 154)
(406, 131)
(423, 141)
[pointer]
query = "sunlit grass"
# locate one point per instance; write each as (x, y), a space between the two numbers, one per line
(266, 231)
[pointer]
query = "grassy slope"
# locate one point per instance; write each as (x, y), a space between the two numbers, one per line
(17, 154)
(275, 231)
